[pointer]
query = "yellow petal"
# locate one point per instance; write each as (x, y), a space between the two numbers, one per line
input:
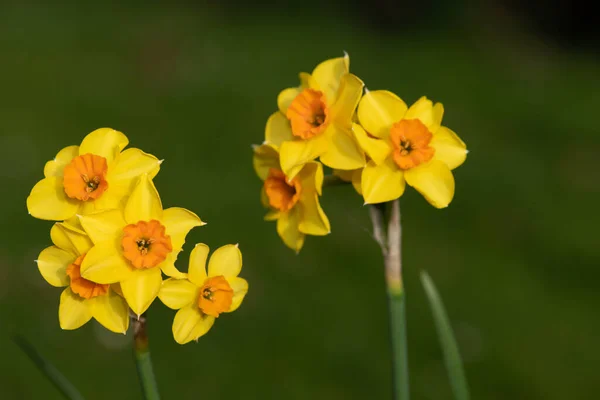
(434, 181)
(141, 288)
(272, 215)
(52, 263)
(287, 228)
(70, 238)
(265, 157)
(55, 167)
(311, 179)
(131, 164)
(104, 226)
(293, 155)
(357, 180)
(240, 288)
(168, 266)
(49, 201)
(449, 148)
(427, 113)
(104, 263)
(313, 220)
(328, 75)
(189, 324)
(144, 203)
(381, 183)
(379, 110)
(178, 223)
(112, 311)
(377, 149)
(226, 261)
(285, 98)
(351, 88)
(278, 130)
(105, 142)
(73, 311)
(177, 293)
(197, 265)
(343, 151)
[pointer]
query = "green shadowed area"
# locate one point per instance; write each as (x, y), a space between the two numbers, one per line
(515, 257)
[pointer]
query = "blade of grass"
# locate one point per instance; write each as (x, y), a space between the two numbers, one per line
(53, 375)
(452, 359)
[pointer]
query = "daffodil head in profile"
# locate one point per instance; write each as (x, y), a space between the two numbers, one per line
(293, 203)
(406, 145)
(205, 293)
(314, 120)
(96, 175)
(81, 299)
(132, 245)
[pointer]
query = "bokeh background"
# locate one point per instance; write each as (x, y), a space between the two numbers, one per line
(516, 256)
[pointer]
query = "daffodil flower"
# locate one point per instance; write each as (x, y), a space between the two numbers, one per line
(204, 295)
(132, 245)
(315, 119)
(96, 175)
(294, 203)
(82, 299)
(406, 145)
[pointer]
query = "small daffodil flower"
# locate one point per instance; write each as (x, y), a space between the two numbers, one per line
(82, 299)
(293, 203)
(205, 294)
(96, 175)
(315, 119)
(132, 245)
(406, 145)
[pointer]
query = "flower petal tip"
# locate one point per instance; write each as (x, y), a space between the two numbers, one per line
(366, 90)
(237, 245)
(466, 151)
(36, 261)
(161, 161)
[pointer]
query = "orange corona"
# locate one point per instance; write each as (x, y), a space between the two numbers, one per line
(282, 195)
(146, 244)
(215, 296)
(411, 139)
(81, 286)
(84, 178)
(308, 114)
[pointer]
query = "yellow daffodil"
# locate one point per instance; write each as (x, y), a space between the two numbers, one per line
(204, 295)
(406, 145)
(82, 299)
(294, 203)
(96, 175)
(315, 119)
(132, 245)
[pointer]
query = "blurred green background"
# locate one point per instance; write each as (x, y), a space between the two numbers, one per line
(515, 257)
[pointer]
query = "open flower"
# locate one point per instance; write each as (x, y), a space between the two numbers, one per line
(82, 299)
(132, 245)
(406, 146)
(315, 119)
(203, 296)
(294, 203)
(94, 176)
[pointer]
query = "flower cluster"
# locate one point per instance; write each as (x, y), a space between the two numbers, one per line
(116, 241)
(372, 140)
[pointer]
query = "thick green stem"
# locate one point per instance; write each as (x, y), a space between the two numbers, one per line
(142, 358)
(387, 230)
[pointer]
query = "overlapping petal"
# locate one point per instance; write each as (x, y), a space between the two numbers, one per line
(287, 228)
(112, 311)
(70, 238)
(449, 148)
(73, 310)
(240, 288)
(285, 98)
(144, 203)
(141, 288)
(265, 157)
(190, 323)
(278, 129)
(55, 167)
(313, 220)
(177, 293)
(294, 154)
(434, 181)
(197, 266)
(311, 179)
(226, 261)
(378, 110)
(328, 75)
(49, 201)
(103, 226)
(104, 263)
(377, 149)
(427, 113)
(349, 94)
(104, 142)
(381, 183)
(52, 263)
(343, 151)
(131, 164)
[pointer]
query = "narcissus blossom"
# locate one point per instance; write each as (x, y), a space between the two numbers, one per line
(293, 203)
(82, 299)
(133, 244)
(406, 145)
(315, 119)
(204, 295)
(96, 175)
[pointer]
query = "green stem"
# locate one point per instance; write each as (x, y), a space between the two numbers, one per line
(142, 358)
(399, 345)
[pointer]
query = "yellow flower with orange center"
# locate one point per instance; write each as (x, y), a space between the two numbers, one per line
(205, 294)
(315, 119)
(82, 299)
(294, 203)
(406, 145)
(96, 175)
(134, 244)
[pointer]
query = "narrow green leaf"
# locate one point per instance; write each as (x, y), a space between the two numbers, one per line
(58, 379)
(452, 359)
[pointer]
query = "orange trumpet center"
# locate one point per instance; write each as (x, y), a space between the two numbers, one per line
(411, 139)
(81, 286)
(215, 296)
(145, 244)
(282, 195)
(308, 114)
(84, 177)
